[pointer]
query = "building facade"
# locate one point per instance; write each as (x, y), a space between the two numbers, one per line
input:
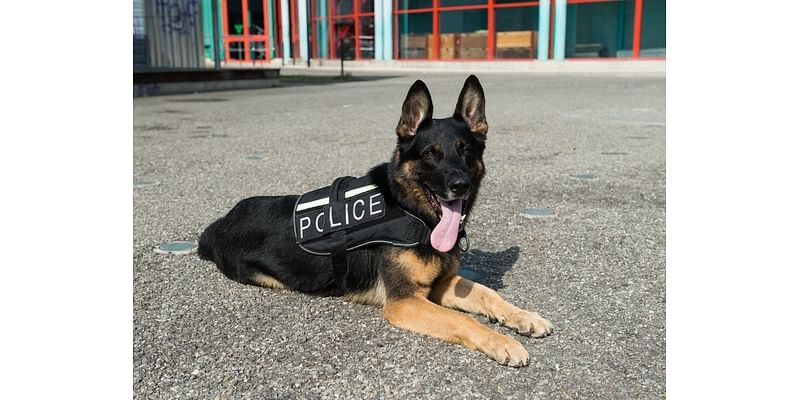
(259, 31)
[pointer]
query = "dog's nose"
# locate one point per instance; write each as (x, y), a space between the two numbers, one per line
(459, 186)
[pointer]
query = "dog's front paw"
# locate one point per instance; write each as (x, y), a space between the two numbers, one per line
(507, 351)
(529, 324)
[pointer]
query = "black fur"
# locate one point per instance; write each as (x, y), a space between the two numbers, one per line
(437, 157)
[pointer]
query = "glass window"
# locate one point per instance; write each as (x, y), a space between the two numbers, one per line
(448, 3)
(512, 1)
(516, 32)
(654, 29)
(367, 6)
(412, 4)
(255, 13)
(236, 50)
(258, 50)
(415, 39)
(465, 31)
(367, 38)
(344, 38)
(342, 7)
(235, 26)
(599, 30)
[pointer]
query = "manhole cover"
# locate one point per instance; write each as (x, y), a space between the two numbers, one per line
(614, 153)
(255, 157)
(178, 248)
(144, 184)
(538, 212)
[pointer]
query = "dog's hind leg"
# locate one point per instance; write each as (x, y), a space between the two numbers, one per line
(466, 295)
(420, 315)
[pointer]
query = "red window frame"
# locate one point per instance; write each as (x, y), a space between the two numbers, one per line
(637, 32)
(246, 38)
(356, 15)
(436, 10)
(491, 6)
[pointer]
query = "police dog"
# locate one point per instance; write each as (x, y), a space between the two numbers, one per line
(434, 173)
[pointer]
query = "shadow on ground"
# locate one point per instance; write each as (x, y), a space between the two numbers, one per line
(303, 80)
(488, 267)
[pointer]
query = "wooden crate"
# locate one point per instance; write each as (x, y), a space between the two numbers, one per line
(414, 46)
(516, 44)
(472, 45)
(447, 46)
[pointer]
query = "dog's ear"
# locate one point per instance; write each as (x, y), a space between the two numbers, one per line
(417, 108)
(471, 106)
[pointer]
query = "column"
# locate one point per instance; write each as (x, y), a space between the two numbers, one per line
(560, 31)
(543, 43)
(388, 34)
(302, 22)
(378, 39)
(287, 36)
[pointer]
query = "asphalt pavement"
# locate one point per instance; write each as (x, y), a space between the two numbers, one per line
(570, 223)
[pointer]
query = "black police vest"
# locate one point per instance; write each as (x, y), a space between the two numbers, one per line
(350, 214)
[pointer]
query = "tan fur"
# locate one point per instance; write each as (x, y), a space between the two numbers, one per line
(479, 170)
(411, 190)
(267, 281)
(480, 127)
(466, 295)
(421, 272)
(375, 296)
(420, 315)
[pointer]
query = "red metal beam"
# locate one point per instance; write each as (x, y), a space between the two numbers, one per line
(245, 31)
(225, 44)
(491, 32)
(637, 28)
(436, 33)
(357, 28)
(515, 5)
(396, 34)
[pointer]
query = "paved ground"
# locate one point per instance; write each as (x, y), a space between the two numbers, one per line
(596, 269)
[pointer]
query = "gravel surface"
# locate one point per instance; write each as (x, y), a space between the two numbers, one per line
(589, 148)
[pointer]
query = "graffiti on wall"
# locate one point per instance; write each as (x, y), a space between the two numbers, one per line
(178, 16)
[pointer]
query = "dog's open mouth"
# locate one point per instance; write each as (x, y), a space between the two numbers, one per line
(445, 234)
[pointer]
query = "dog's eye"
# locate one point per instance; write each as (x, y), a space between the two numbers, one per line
(428, 154)
(466, 151)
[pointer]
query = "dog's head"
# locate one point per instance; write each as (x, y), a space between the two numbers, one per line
(438, 164)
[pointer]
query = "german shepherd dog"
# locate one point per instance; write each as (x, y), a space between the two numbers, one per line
(435, 172)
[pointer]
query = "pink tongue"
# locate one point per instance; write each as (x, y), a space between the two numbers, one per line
(444, 235)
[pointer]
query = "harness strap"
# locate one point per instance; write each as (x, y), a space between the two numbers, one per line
(339, 239)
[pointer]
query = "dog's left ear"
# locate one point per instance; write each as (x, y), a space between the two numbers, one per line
(471, 106)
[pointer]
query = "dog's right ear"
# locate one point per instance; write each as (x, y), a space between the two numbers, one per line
(417, 109)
